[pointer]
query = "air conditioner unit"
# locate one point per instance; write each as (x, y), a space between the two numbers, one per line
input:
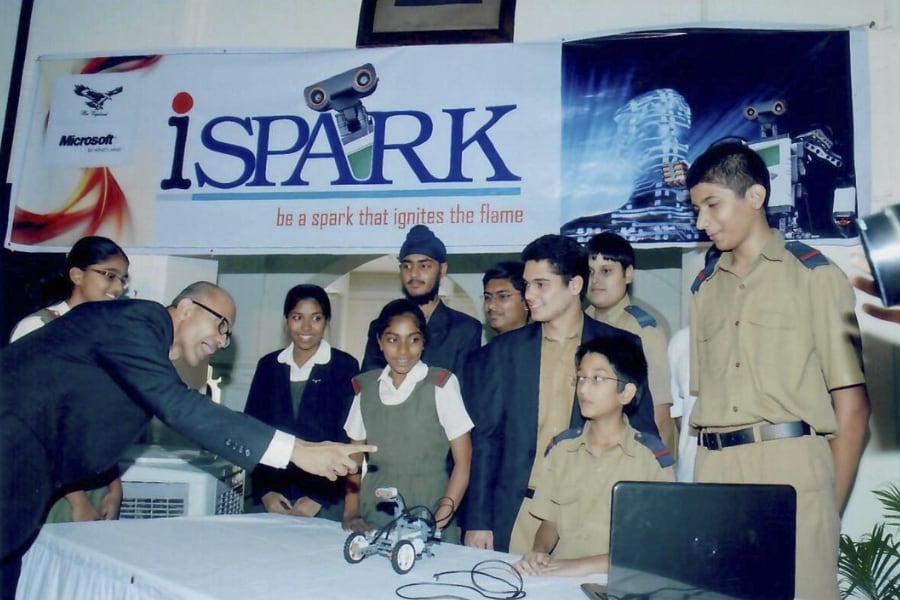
(160, 482)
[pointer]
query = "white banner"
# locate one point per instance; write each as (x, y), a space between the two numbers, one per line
(492, 145)
(326, 152)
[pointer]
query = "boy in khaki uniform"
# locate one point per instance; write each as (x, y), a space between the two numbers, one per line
(775, 361)
(573, 495)
(612, 271)
(519, 395)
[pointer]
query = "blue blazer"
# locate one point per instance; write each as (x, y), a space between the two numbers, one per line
(450, 337)
(500, 388)
(323, 410)
(110, 373)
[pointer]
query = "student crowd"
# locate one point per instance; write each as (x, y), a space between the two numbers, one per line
(514, 445)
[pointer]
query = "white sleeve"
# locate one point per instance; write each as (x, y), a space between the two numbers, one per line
(25, 326)
(354, 426)
(278, 454)
(450, 409)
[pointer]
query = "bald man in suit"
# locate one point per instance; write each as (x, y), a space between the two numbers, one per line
(111, 371)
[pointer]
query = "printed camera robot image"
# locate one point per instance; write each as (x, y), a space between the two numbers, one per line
(343, 93)
(804, 168)
(407, 537)
(766, 114)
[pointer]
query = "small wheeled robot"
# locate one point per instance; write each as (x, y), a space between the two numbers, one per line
(406, 538)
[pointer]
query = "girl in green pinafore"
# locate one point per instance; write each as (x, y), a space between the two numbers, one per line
(414, 414)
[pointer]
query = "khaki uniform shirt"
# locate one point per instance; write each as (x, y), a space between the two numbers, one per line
(556, 394)
(771, 345)
(653, 339)
(574, 490)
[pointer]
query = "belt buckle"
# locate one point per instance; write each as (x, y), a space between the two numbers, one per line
(712, 441)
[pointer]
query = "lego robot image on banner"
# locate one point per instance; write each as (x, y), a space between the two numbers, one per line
(343, 94)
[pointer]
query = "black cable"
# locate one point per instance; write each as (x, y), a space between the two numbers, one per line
(481, 576)
(441, 502)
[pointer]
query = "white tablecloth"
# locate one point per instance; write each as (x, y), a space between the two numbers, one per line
(241, 557)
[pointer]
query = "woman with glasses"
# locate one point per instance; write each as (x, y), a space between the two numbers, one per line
(96, 270)
(304, 389)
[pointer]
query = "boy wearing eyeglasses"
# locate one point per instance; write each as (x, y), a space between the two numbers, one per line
(613, 264)
(573, 495)
(519, 395)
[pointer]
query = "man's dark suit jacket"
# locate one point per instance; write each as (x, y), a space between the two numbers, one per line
(323, 410)
(450, 337)
(500, 388)
(77, 392)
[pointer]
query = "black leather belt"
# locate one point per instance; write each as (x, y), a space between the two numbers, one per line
(750, 435)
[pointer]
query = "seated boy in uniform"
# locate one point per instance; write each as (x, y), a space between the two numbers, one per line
(612, 273)
(573, 495)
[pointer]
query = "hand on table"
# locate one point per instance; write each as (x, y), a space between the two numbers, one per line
(305, 507)
(483, 539)
(533, 563)
(541, 563)
(277, 503)
(355, 523)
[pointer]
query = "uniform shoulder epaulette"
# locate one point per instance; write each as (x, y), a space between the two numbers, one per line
(643, 318)
(809, 256)
(660, 451)
(364, 379)
(46, 315)
(438, 376)
(710, 260)
(703, 275)
(568, 434)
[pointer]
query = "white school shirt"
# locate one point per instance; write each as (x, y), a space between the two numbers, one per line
(298, 373)
(448, 401)
(34, 322)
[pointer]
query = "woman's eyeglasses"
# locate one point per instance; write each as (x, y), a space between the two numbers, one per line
(110, 275)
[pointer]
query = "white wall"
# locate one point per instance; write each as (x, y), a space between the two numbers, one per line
(64, 26)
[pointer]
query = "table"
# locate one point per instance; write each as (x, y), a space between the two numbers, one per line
(241, 557)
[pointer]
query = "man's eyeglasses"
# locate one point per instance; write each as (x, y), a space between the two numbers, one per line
(595, 379)
(110, 275)
(501, 297)
(224, 325)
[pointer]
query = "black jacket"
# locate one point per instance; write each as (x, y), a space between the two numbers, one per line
(323, 410)
(77, 392)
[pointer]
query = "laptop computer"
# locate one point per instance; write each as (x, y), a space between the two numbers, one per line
(700, 540)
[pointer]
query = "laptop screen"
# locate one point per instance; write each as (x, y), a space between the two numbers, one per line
(701, 540)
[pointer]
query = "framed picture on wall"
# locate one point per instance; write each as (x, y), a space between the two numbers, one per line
(412, 22)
